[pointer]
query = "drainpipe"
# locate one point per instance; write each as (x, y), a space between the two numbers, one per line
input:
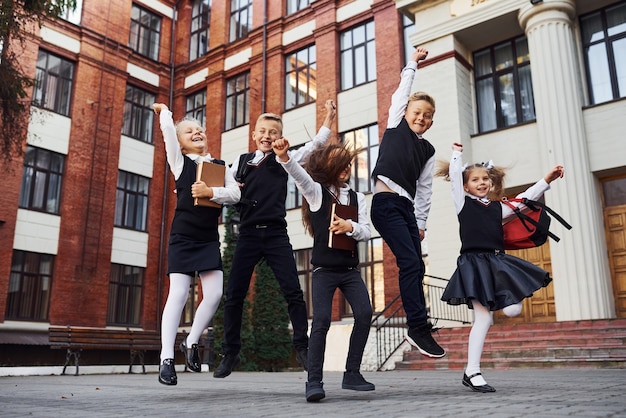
(264, 61)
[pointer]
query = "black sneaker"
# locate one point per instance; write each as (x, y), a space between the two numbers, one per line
(355, 381)
(192, 357)
(167, 372)
(421, 338)
(315, 391)
(228, 363)
(302, 355)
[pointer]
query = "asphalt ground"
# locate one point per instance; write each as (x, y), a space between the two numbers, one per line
(520, 393)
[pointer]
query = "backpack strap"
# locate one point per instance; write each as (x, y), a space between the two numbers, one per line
(533, 204)
(525, 218)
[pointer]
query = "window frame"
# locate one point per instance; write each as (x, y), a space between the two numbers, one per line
(368, 153)
(240, 10)
(131, 206)
(138, 117)
(124, 307)
(200, 26)
(296, 75)
(30, 187)
(38, 301)
(237, 112)
(144, 39)
(350, 51)
(53, 89)
(195, 106)
(294, 6)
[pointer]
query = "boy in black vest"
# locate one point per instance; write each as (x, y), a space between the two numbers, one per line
(263, 234)
(403, 179)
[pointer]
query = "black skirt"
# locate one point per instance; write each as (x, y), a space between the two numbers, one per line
(188, 256)
(496, 280)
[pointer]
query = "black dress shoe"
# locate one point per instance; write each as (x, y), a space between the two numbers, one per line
(167, 372)
(482, 388)
(192, 357)
(228, 363)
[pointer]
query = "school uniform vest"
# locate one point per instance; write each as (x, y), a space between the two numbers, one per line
(480, 226)
(199, 223)
(322, 256)
(402, 156)
(264, 193)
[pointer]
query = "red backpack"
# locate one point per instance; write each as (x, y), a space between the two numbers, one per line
(530, 228)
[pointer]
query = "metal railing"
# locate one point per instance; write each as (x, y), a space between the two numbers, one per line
(390, 324)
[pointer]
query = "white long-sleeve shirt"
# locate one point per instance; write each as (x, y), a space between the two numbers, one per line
(229, 194)
(534, 192)
(424, 184)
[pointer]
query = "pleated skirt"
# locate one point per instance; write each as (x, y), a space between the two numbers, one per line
(496, 280)
(188, 256)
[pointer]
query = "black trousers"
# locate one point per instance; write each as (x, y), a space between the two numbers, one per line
(324, 284)
(271, 243)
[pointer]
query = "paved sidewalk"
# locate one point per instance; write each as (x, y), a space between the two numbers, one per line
(520, 393)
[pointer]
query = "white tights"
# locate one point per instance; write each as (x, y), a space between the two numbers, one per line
(212, 287)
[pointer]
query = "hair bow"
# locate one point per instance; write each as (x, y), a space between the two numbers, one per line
(488, 165)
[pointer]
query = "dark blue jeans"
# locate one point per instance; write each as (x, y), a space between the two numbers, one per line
(324, 284)
(393, 217)
(271, 243)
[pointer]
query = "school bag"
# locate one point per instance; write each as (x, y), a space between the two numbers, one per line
(530, 228)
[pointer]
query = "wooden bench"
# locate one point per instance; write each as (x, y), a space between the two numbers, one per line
(76, 339)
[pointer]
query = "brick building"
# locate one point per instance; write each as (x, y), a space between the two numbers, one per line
(84, 216)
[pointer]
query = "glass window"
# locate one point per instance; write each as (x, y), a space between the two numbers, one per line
(73, 15)
(408, 28)
(504, 90)
(200, 22)
(125, 294)
(305, 270)
(28, 298)
(296, 5)
(145, 32)
(294, 198)
(196, 106)
(138, 114)
(300, 78)
(614, 192)
(193, 298)
(131, 204)
(41, 180)
(366, 140)
(358, 56)
(604, 43)
(237, 91)
(53, 83)
(240, 19)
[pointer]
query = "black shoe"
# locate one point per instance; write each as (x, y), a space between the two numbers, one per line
(355, 381)
(192, 356)
(421, 338)
(315, 391)
(302, 355)
(482, 388)
(228, 363)
(167, 372)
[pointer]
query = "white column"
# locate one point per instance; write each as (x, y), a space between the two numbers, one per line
(582, 282)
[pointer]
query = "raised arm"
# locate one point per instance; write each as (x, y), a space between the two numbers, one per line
(400, 97)
(322, 135)
(173, 153)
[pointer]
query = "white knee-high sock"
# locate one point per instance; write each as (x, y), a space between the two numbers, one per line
(212, 288)
(482, 322)
(176, 299)
(512, 310)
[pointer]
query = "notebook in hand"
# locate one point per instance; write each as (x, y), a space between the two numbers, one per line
(342, 241)
(213, 175)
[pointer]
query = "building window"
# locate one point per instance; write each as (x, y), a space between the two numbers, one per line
(28, 298)
(300, 78)
(305, 272)
(131, 204)
(193, 298)
(237, 90)
(604, 43)
(73, 15)
(504, 90)
(138, 114)
(297, 5)
(294, 198)
(200, 22)
(365, 139)
(41, 180)
(408, 28)
(371, 265)
(125, 292)
(358, 56)
(240, 19)
(145, 29)
(196, 106)
(53, 83)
